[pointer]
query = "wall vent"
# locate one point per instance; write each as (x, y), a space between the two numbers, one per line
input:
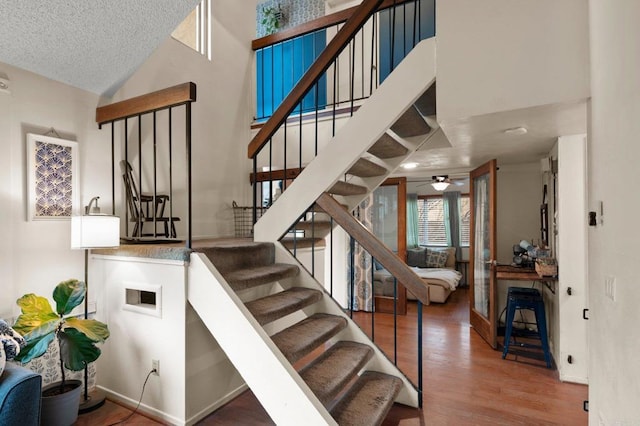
(143, 298)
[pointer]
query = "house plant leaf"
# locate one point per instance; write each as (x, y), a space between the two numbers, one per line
(68, 294)
(76, 349)
(35, 347)
(95, 331)
(36, 314)
(30, 304)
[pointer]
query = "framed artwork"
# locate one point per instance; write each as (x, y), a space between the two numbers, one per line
(52, 177)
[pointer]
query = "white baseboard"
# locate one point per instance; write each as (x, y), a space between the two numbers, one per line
(213, 407)
(143, 409)
(150, 411)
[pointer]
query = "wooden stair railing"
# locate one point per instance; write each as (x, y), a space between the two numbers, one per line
(375, 247)
(317, 24)
(313, 74)
(136, 108)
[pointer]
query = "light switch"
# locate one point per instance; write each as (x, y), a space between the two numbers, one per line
(610, 287)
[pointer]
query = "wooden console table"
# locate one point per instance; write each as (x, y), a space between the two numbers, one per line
(515, 273)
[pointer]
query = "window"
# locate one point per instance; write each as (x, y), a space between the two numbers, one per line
(432, 229)
(195, 30)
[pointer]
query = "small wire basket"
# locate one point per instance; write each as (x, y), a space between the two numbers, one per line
(243, 219)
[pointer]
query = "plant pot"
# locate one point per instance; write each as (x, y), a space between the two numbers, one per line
(61, 409)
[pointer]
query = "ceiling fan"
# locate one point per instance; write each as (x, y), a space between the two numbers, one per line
(441, 182)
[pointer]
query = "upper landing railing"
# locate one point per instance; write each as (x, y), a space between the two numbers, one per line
(147, 127)
(304, 88)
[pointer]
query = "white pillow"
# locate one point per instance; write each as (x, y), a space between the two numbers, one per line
(3, 360)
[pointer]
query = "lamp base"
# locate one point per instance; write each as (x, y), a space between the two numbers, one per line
(94, 401)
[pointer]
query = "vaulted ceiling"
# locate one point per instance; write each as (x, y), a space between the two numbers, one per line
(93, 45)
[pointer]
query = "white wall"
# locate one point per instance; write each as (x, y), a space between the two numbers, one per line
(519, 198)
(518, 216)
(572, 259)
(35, 255)
(195, 377)
(613, 152)
(498, 55)
(221, 116)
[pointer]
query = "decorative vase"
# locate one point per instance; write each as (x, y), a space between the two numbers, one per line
(60, 409)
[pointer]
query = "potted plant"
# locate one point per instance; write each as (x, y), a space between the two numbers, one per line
(77, 338)
(271, 17)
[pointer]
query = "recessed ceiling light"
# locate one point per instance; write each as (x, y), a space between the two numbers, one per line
(407, 166)
(516, 131)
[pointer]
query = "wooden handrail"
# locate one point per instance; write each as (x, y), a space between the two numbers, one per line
(315, 25)
(375, 247)
(172, 96)
(313, 74)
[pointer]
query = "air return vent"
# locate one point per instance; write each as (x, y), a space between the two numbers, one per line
(143, 298)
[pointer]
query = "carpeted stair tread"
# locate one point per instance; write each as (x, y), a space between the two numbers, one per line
(253, 277)
(313, 227)
(276, 306)
(303, 337)
(410, 124)
(331, 372)
(346, 188)
(230, 256)
(305, 242)
(366, 168)
(426, 103)
(368, 401)
(387, 147)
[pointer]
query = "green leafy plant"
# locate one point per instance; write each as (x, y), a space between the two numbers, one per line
(271, 17)
(39, 325)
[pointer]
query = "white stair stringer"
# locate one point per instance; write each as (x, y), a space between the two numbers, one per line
(408, 394)
(413, 76)
(277, 385)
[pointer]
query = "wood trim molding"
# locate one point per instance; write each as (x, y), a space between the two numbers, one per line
(311, 116)
(315, 25)
(322, 63)
(276, 175)
(391, 262)
(172, 96)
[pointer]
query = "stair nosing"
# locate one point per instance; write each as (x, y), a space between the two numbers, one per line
(311, 297)
(269, 274)
(281, 337)
(351, 395)
(312, 373)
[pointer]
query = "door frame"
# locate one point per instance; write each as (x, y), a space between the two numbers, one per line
(485, 327)
(385, 304)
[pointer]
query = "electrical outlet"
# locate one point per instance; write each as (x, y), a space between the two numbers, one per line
(155, 365)
(610, 287)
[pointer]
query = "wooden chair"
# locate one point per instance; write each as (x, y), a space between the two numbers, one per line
(146, 208)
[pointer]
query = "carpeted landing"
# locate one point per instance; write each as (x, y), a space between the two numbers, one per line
(335, 376)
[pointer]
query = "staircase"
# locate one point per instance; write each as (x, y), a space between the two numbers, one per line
(315, 365)
(390, 126)
(411, 125)
(304, 359)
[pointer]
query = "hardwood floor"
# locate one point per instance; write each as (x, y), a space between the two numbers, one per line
(465, 381)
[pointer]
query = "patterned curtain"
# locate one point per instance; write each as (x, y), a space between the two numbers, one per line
(362, 265)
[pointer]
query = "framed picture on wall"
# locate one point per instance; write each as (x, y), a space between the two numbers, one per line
(52, 177)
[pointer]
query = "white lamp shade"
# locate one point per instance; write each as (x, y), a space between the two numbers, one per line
(95, 231)
(440, 186)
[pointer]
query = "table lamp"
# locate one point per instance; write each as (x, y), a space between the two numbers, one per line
(93, 230)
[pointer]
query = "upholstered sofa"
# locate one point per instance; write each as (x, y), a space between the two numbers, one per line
(20, 390)
(436, 267)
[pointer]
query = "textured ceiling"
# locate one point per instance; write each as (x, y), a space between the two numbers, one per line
(91, 44)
